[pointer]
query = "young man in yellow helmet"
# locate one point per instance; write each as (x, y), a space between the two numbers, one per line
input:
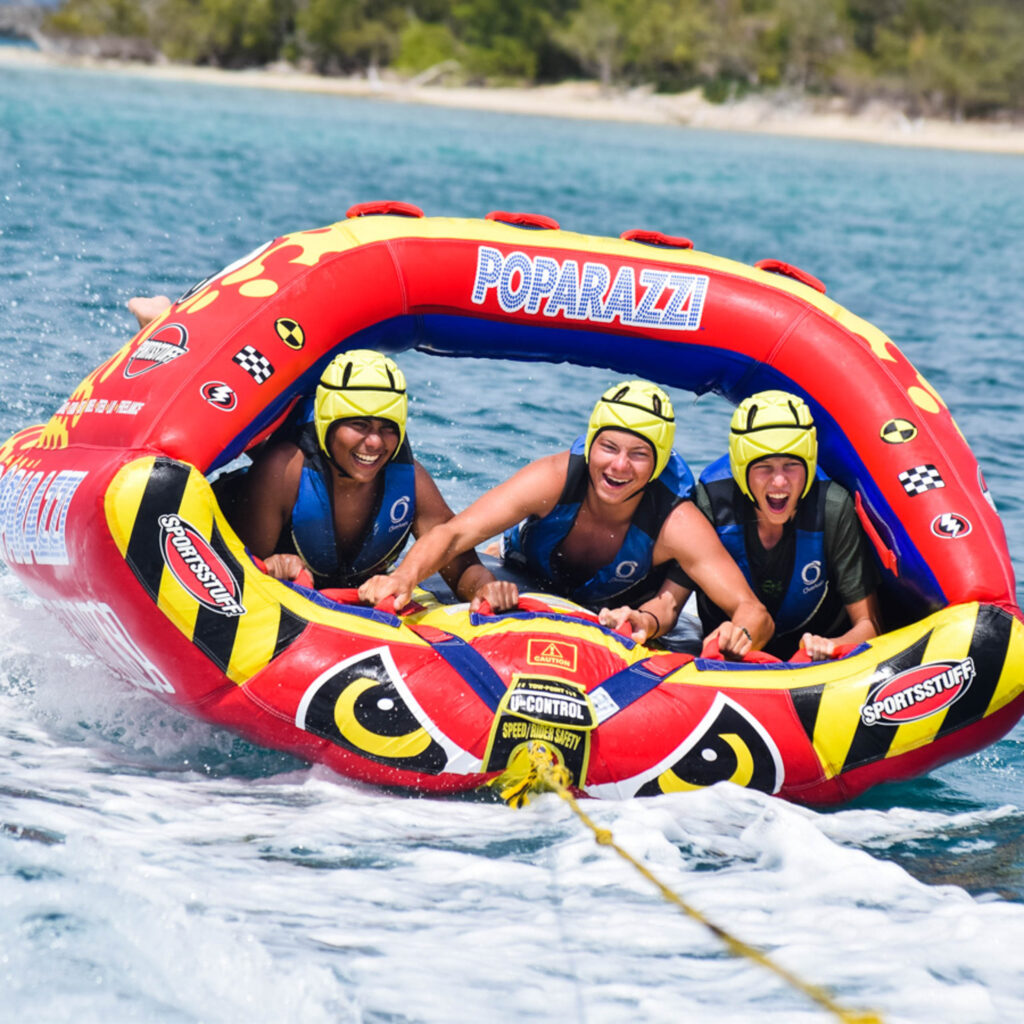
(792, 531)
(607, 524)
(341, 497)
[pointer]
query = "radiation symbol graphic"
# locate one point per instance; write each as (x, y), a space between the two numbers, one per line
(290, 332)
(362, 705)
(729, 745)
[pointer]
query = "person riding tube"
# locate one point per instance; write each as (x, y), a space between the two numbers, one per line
(342, 494)
(792, 531)
(608, 524)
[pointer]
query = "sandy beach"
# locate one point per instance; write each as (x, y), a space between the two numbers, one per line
(876, 123)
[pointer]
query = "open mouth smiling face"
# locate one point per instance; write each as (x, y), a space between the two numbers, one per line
(363, 446)
(776, 482)
(620, 464)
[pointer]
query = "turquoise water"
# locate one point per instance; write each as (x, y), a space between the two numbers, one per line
(153, 868)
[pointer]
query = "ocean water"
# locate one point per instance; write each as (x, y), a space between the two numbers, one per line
(153, 868)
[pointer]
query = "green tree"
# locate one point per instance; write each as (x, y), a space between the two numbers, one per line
(350, 35)
(424, 45)
(596, 36)
(804, 44)
(124, 18)
(507, 38)
(224, 33)
(668, 41)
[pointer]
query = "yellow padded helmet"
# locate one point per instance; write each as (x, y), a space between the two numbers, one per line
(360, 383)
(641, 408)
(771, 423)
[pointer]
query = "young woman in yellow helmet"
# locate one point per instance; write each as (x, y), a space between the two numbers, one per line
(792, 531)
(608, 524)
(341, 497)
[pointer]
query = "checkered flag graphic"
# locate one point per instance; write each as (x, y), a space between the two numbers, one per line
(255, 363)
(920, 479)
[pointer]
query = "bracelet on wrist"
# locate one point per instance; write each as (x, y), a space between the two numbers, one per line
(746, 633)
(657, 623)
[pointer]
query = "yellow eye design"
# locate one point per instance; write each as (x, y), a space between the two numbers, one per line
(729, 745)
(360, 706)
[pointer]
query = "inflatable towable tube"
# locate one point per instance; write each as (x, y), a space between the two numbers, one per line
(106, 513)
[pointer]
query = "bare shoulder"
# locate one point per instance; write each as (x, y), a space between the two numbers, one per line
(281, 461)
(538, 484)
(547, 471)
(685, 530)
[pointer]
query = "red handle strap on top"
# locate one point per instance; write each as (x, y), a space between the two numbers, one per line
(524, 604)
(533, 604)
(382, 207)
(342, 595)
(841, 651)
(711, 652)
(788, 270)
(524, 220)
(350, 595)
(656, 238)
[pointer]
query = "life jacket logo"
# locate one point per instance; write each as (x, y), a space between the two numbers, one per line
(664, 299)
(951, 526)
(811, 575)
(919, 692)
(399, 511)
(549, 653)
(219, 394)
(159, 349)
(626, 570)
(197, 567)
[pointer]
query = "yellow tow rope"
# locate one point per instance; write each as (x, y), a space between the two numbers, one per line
(534, 771)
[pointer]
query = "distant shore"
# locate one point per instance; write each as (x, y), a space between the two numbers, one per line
(875, 123)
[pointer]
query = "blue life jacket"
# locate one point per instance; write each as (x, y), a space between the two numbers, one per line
(311, 527)
(807, 593)
(531, 544)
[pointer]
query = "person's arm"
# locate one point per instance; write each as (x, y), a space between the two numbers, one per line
(148, 307)
(465, 575)
(653, 618)
(865, 623)
(532, 491)
(270, 490)
(688, 537)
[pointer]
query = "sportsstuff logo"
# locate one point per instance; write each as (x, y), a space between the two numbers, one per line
(918, 692)
(197, 567)
(158, 349)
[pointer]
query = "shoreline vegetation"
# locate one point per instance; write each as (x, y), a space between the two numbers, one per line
(770, 113)
(928, 73)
